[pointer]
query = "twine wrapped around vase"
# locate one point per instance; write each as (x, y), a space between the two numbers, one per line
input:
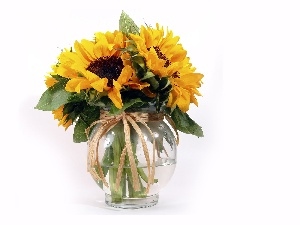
(108, 122)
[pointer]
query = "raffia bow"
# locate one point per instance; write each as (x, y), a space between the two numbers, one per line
(108, 122)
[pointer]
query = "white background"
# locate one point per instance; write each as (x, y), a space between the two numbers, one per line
(245, 170)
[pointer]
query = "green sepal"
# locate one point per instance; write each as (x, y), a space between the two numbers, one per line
(140, 60)
(132, 102)
(134, 94)
(60, 78)
(185, 124)
(99, 100)
(127, 25)
(148, 75)
(54, 97)
(164, 83)
(77, 97)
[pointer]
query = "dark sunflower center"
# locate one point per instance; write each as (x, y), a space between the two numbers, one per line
(162, 56)
(109, 67)
(176, 75)
(167, 61)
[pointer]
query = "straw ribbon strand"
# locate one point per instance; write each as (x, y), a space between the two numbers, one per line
(107, 123)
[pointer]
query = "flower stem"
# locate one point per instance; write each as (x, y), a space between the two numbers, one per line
(117, 146)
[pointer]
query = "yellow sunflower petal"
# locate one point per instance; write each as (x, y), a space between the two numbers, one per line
(141, 43)
(67, 124)
(101, 38)
(78, 68)
(115, 95)
(184, 101)
(69, 58)
(90, 76)
(119, 40)
(63, 120)
(66, 72)
(170, 101)
(178, 56)
(77, 84)
(135, 83)
(110, 37)
(82, 53)
(102, 46)
(194, 100)
(100, 84)
(58, 113)
(173, 97)
(192, 78)
(125, 75)
(88, 47)
(50, 81)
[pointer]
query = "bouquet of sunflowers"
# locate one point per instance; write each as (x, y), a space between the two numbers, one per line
(121, 71)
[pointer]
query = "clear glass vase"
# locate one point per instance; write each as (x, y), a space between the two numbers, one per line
(146, 165)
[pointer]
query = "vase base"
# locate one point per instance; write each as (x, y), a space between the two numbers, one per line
(133, 203)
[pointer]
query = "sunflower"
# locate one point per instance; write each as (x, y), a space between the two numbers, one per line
(64, 120)
(165, 57)
(184, 89)
(99, 64)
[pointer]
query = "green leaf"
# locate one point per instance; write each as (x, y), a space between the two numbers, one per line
(185, 124)
(74, 109)
(86, 118)
(79, 134)
(54, 97)
(114, 110)
(127, 25)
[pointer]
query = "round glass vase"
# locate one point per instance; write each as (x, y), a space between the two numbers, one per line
(146, 151)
